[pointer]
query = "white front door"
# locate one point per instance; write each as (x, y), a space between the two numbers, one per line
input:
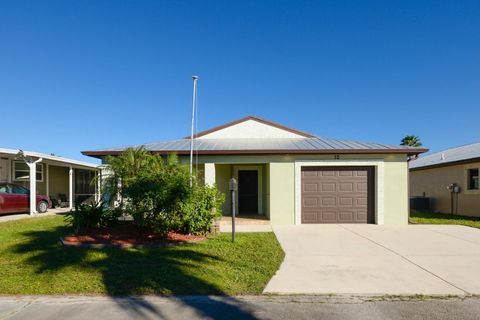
(4, 170)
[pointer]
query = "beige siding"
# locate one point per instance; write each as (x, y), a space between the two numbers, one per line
(58, 181)
(250, 129)
(433, 182)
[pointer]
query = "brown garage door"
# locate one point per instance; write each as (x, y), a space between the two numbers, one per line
(337, 195)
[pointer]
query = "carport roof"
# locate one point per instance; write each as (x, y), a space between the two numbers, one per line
(50, 157)
(461, 154)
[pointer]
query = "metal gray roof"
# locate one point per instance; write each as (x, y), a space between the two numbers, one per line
(14, 152)
(274, 144)
(462, 153)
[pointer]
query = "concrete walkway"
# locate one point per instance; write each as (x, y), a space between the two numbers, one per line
(378, 260)
(19, 216)
(245, 224)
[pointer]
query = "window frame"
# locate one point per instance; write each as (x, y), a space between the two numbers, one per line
(467, 179)
(40, 169)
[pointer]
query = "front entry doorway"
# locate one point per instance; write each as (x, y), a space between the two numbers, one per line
(248, 192)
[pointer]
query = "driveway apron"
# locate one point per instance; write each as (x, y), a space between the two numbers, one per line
(377, 260)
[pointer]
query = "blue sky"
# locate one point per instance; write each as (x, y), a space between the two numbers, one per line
(82, 75)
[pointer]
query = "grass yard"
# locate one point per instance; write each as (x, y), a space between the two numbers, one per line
(441, 218)
(32, 261)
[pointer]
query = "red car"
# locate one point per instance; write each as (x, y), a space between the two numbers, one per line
(14, 198)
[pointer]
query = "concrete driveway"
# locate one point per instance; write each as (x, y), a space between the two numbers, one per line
(378, 260)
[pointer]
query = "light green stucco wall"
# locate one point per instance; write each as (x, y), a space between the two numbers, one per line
(222, 177)
(279, 186)
(266, 173)
(223, 173)
(396, 190)
(282, 195)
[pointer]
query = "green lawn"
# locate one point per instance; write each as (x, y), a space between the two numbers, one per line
(33, 262)
(440, 218)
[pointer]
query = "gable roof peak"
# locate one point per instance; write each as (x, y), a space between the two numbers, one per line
(254, 118)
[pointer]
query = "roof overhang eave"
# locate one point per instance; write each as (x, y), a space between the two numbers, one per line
(446, 164)
(103, 153)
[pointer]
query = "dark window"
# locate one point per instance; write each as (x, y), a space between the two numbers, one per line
(83, 182)
(19, 190)
(4, 189)
(473, 179)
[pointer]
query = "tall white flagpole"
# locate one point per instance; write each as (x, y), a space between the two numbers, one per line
(194, 101)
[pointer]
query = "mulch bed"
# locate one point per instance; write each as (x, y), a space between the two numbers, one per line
(126, 234)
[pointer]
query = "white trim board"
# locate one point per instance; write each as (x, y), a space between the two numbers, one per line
(259, 170)
(378, 164)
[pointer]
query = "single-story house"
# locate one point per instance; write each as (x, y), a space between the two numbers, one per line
(293, 177)
(65, 180)
(450, 179)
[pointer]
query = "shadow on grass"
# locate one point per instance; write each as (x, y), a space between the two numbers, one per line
(127, 274)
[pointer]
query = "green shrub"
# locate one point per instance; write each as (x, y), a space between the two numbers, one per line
(197, 212)
(156, 192)
(88, 216)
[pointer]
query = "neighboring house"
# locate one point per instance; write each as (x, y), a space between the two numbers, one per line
(59, 178)
(431, 175)
(293, 177)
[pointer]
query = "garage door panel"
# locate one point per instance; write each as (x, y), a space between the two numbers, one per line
(345, 201)
(308, 174)
(310, 216)
(310, 187)
(361, 173)
(361, 216)
(346, 216)
(361, 187)
(328, 201)
(345, 186)
(328, 187)
(310, 202)
(343, 195)
(326, 173)
(327, 216)
(361, 202)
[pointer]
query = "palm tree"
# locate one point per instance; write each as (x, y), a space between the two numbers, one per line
(411, 141)
(121, 170)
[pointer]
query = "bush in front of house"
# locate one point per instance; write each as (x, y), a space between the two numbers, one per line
(197, 212)
(156, 192)
(85, 217)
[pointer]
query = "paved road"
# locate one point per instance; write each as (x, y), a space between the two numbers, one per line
(373, 259)
(251, 307)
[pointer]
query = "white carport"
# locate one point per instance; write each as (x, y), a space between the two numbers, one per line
(12, 158)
